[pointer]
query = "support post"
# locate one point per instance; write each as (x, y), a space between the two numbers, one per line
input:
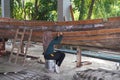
(5, 8)
(78, 64)
(64, 10)
(22, 47)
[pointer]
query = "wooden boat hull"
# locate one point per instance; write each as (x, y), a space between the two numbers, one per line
(103, 34)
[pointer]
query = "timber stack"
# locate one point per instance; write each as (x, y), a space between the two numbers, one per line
(98, 74)
(25, 75)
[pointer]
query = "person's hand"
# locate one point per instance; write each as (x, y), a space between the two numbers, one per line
(60, 33)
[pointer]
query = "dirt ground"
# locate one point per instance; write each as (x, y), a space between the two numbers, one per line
(68, 67)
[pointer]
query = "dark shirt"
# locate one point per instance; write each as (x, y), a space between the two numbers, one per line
(3, 39)
(55, 41)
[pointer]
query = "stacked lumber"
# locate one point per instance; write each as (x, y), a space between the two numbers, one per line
(98, 74)
(25, 75)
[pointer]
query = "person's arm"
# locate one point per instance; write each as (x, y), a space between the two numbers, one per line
(58, 39)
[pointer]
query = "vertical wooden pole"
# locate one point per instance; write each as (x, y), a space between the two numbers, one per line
(22, 47)
(78, 57)
(71, 11)
(2, 47)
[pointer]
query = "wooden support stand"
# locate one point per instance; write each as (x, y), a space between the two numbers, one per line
(78, 57)
(2, 46)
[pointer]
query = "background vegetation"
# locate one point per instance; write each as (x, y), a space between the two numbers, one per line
(91, 9)
(47, 9)
(34, 9)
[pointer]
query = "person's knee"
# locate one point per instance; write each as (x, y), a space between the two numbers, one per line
(63, 54)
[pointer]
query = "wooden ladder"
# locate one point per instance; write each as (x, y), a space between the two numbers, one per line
(19, 36)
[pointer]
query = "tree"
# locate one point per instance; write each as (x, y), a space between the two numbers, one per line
(92, 9)
(47, 9)
(34, 10)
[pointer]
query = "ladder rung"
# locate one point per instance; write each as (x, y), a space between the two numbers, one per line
(16, 46)
(18, 39)
(20, 33)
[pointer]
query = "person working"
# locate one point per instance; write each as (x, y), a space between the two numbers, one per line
(49, 53)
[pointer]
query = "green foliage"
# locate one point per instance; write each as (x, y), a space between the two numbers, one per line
(47, 9)
(35, 10)
(101, 8)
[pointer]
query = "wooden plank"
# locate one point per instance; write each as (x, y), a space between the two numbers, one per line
(10, 21)
(75, 38)
(77, 35)
(110, 45)
(82, 22)
(92, 32)
(57, 27)
(100, 43)
(113, 19)
(99, 37)
(48, 23)
(7, 19)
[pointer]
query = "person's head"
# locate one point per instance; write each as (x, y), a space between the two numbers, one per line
(47, 37)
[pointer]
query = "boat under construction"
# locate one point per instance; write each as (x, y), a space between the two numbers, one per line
(97, 35)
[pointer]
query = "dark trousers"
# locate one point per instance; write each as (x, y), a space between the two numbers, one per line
(58, 56)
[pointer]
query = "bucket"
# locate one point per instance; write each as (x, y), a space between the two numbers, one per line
(50, 65)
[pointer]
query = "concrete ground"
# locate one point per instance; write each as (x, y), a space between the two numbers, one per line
(68, 67)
